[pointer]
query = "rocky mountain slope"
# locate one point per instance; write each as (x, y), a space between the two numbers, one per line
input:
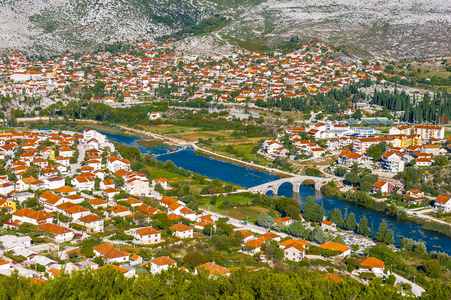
(413, 28)
(57, 25)
(396, 28)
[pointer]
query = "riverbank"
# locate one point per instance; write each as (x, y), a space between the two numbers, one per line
(382, 207)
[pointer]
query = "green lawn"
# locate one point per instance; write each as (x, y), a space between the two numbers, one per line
(159, 173)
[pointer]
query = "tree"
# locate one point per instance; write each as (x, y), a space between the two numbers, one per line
(335, 217)
(318, 235)
(382, 230)
(357, 115)
(293, 211)
(351, 223)
(352, 178)
(340, 171)
(339, 239)
(363, 226)
(366, 186)
(351, 262)
(372, 230)
(309, 208)
(265, 220)
(432, 268)
(318, 213)
(388, 237)
(194, 259)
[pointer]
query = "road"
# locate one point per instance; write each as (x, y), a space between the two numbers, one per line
(239, 226)
(81, 157)
(416, 289)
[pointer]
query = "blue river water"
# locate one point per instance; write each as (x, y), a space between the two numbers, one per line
(248, 177)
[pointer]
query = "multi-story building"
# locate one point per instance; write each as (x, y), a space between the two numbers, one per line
(430, 131)
(404, 141)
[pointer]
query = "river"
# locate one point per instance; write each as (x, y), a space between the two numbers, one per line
(248, 177)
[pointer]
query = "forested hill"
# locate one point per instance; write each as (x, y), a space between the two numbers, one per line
(108, 283)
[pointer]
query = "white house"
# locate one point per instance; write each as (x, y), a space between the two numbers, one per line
(82, 183)
(294, 252)
(161, 181)
(110, 253)
(59, 233)
(371, 264)
(159, 264)
(115, 164)
(54, 183)
(443, 204)
(146, 235)
(182, 231)
(154, 116)
(93, 222)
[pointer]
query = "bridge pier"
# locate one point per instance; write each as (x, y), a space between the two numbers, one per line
(296, 187)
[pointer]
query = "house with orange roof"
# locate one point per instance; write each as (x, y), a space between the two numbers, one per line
(347, 157)
(98, 203)
(182, 231)
(133, 202)
(115, 164)
(110, 253)
(27, 215)
(83, 183)
(58, 233)
(127, 271)
(285, 221)
(148, 210)
(168, 201)
(161, 181)
(92, 222)
(247, 236)
(383, 186)
(66, 151)
(414, 197)
(119, 211)
(294, 252)
(23, 184)
(271, 236)
(344, 250)
(213, 269)
(443, 204)
(110, 193)
(75, 212)
(252, 247)
(146, 235)
(326, 224)
(107, 183)
(162, 263)
(333, 277)
(303, 243)
(371, 264)
(65, 191)
(50, 201)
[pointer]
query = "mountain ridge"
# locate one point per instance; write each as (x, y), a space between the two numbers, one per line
(387, 29)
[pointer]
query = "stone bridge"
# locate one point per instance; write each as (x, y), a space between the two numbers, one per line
(296, 182)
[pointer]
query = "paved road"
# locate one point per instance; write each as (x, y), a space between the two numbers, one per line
(81, 157)
(416, 289)
(238, 223)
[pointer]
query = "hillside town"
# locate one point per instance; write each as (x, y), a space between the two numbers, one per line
(78, 187)
(132, 78)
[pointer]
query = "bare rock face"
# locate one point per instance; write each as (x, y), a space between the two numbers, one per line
(381, 28)
(395, 28)
(48, 26)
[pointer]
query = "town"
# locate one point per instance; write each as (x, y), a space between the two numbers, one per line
(75, 200)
